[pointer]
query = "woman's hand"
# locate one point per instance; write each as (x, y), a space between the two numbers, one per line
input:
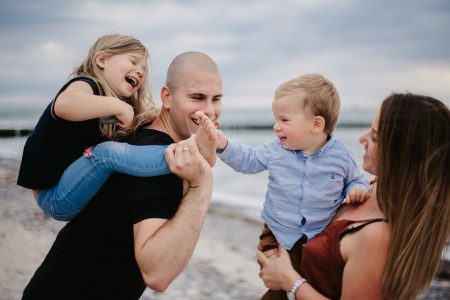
(277, 271)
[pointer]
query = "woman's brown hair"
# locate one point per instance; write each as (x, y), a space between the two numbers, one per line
(413, 189)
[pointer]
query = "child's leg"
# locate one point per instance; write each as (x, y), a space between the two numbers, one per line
(206, 138)
(267, 240)
(294, 254)
(84, 177)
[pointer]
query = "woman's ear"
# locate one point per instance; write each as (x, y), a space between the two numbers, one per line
(165, 96)
(100, 60)
(318, 124)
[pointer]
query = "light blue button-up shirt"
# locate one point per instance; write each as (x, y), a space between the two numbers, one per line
(303, 192)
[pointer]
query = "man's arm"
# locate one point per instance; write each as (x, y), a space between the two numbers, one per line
(163, 247)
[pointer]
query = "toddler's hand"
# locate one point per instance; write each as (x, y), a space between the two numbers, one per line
(356, 195)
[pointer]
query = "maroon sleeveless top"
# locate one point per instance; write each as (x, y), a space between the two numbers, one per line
(322, 264)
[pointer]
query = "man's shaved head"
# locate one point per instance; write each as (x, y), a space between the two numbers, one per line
(185, 60)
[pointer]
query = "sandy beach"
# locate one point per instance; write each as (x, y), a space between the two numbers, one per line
(223, 265)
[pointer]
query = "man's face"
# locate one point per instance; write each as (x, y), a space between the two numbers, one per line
(197, 90)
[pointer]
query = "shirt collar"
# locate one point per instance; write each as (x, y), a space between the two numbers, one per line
(329, 143)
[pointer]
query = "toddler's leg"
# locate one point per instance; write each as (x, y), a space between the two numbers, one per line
(267, 240)
(84, 178)
(294, 254)
(274, 295)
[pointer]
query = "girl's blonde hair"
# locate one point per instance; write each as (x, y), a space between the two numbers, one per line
(142, 102)
(414, 189)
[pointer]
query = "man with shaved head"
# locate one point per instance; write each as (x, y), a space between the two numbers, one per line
(137, 231)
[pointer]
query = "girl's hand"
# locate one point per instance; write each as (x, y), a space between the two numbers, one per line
(126, 116)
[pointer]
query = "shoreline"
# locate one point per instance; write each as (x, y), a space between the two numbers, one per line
(223, 265)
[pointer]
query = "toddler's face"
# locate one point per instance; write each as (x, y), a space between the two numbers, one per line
(293, 124)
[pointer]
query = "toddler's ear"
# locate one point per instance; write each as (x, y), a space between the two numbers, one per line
(318, 124)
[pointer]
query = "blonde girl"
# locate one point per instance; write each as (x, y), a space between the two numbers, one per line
(112, 83)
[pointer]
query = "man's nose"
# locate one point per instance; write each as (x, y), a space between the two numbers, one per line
(209, 109)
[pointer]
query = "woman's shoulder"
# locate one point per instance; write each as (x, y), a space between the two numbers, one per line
(373, 237)
(375, 232)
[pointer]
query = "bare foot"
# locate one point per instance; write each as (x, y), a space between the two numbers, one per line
(206, 138)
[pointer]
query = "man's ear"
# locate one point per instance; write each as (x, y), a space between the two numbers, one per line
(165, 96)
(100, 60)
(318, 124)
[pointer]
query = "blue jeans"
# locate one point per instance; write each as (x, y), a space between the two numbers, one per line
(84, 177)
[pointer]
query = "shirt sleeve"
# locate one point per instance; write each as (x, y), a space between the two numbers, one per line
(155, 197)
(247, 159)
(356, 178)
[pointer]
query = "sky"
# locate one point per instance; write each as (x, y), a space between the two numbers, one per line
(367, 48)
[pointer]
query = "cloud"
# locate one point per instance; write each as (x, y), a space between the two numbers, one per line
(368, 48)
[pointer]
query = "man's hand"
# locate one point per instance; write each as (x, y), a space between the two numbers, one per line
(185, 160)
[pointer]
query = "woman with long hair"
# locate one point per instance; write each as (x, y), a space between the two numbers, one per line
(390, 246)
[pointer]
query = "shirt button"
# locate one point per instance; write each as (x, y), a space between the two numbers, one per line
(303, 221)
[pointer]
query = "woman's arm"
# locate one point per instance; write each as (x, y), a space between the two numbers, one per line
(278, 274)
(365, 252)
(78, 103)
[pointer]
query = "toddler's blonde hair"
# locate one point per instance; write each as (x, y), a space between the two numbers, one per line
(318, 94)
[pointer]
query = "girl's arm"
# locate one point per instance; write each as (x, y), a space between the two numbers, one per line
(78, 103)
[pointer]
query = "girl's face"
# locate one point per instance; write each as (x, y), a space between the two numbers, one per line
(123, 72)
(369, 140)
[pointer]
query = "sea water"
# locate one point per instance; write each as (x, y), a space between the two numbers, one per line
(242, 194)
(232, 188)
